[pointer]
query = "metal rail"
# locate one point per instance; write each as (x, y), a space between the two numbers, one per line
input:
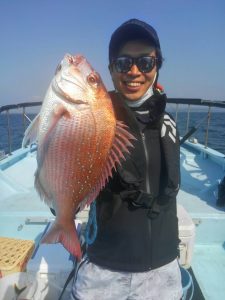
(189, 102)
(197, 101)
(6, 109)
(19, 105)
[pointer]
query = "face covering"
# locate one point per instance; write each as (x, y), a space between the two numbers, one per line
(147, 95)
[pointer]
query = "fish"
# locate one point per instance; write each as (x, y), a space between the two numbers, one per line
(79, 144)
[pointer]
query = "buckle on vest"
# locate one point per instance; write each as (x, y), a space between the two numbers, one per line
(143, 199)
(154, 211)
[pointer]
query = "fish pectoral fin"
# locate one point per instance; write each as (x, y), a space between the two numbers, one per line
(57, 113)
(60, 110)
(30, 135)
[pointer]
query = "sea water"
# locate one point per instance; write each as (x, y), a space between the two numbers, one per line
(216, 139)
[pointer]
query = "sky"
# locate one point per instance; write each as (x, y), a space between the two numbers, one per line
(35, 35)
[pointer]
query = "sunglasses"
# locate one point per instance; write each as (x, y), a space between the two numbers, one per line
(145, 64)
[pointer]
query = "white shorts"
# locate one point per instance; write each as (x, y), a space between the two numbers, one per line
(94, 283)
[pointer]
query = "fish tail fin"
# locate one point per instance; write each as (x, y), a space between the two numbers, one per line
(67, 236)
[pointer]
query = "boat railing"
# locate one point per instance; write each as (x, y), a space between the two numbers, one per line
(185, 103)
(21, 108)
(195, 102)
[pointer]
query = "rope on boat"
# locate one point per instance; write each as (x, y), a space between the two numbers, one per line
(91, 228)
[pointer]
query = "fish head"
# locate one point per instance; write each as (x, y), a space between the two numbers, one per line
(77, 81)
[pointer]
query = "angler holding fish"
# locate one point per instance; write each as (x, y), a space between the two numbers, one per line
(79, 143)
(134, 255)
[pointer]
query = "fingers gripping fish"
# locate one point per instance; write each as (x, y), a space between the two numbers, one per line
(79, 143)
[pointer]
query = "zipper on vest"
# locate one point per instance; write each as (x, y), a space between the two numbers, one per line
(147, 183)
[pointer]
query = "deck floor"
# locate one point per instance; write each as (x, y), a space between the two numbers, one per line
(198, 195)
(209, 266)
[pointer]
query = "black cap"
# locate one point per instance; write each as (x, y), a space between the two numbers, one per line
(131, 30)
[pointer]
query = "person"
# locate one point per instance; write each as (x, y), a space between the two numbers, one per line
(135, 253)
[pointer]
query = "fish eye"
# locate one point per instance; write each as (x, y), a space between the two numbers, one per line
(93, 80)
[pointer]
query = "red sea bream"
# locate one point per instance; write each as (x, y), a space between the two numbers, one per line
(79, 143)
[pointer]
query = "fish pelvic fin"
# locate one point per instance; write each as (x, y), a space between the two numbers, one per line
(44, 195)
(121, 143)
(66, 235)
(30, 135)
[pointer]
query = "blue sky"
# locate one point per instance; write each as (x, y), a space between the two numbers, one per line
(35, 35)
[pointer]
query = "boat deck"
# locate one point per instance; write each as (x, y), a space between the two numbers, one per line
(198, 194)
(23, 215)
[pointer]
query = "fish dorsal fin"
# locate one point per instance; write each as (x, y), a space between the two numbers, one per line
(122, 141)
(30, 135)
